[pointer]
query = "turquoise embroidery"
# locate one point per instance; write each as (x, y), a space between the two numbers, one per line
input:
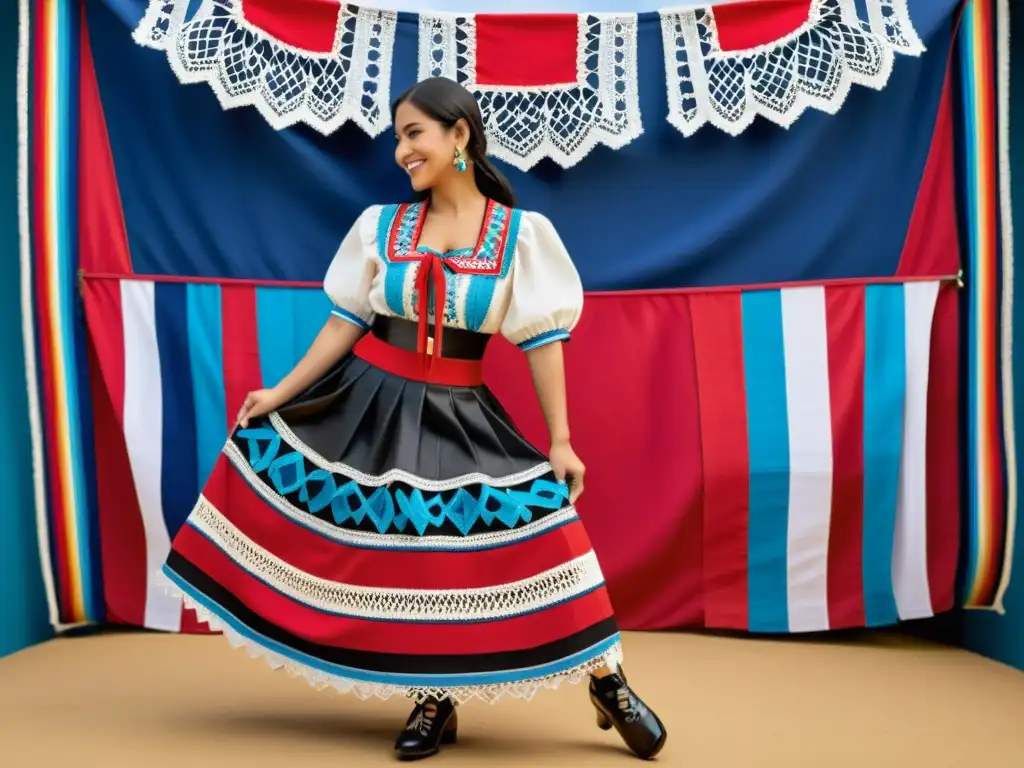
(389, 508)
(396, 234)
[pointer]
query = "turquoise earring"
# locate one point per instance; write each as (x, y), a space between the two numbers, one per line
(459, 162)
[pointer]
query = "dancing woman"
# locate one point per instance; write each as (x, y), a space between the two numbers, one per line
(376, 522)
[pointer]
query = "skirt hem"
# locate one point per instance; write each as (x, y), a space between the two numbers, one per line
(365, 690)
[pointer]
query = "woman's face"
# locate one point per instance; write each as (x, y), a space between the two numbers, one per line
(426, 148)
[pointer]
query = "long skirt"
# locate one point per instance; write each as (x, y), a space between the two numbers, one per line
(392, 533)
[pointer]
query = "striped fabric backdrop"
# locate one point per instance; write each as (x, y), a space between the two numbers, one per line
(58, 377)
(813, 406)
(62, 441)
(176, 360)
(991, 472)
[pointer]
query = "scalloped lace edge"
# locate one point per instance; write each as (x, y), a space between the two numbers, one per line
(523, 689)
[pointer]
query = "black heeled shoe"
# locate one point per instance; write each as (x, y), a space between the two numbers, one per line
(433, 723)
(620, 708)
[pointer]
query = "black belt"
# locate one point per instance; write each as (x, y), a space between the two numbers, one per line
(458, 344)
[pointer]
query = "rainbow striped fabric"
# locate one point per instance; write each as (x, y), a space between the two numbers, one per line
(54, 339)
(991, 476)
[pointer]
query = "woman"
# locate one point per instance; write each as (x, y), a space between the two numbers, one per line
(376, 522)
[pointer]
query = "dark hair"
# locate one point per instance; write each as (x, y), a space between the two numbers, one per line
(447, 102)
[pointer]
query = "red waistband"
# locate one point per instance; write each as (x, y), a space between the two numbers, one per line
(431, 369)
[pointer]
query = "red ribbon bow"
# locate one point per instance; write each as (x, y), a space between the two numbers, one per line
(431, 269)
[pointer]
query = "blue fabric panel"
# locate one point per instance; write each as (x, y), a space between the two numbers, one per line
(206, 355)
(287, 319)
(179, 481)
(829, 198)
(764, 371)
(885, 376)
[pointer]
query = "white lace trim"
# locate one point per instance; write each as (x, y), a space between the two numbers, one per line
(814, 67)
(562, 121)
(400, 475)
(500, 601)
(397, 541)
(521, 689)
(247, 67)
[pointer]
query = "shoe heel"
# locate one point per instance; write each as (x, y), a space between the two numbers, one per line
(602, 721)
(450, 735)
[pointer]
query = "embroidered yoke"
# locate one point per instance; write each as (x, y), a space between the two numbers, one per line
(518, 280)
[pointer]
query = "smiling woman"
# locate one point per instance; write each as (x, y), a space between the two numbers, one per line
(377, 522)
(439, 128)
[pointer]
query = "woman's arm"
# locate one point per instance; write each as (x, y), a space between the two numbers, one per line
(548, 368)
(335, 339)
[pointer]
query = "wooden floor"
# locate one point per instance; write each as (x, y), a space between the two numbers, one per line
(149, 701)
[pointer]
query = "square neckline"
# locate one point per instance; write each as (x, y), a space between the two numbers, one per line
(473, 250)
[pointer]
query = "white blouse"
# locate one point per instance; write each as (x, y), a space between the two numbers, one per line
(519, 280)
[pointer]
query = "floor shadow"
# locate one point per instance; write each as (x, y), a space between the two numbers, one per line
(380, 729)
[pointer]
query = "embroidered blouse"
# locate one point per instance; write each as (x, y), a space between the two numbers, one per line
(518, 281)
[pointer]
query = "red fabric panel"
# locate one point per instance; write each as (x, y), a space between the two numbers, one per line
(320, 556)
(102, 239)
(122, 536)
(385, 636)
(943, 459)
(526, 49)
(631, 360)
(718, 347)
(307, 24)
(932, 244)
(241, 346)
(844, 314)
(759, 22)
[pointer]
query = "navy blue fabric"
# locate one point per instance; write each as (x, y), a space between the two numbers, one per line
(220, 194)
(179, 484)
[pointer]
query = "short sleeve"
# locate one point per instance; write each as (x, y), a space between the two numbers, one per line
(547, 294)
(351, 273)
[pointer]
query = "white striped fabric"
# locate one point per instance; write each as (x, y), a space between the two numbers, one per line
(143, 422)
(910, 546)
(805, 347)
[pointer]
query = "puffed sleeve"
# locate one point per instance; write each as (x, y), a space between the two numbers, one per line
(547, 294)
(351, 273)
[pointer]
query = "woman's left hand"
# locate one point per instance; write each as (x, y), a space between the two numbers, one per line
(568, 468)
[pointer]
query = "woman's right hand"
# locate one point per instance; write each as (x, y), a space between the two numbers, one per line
(259, 402)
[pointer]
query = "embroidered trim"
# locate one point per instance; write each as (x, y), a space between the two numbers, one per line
(247, 67)
(544, 339)
(344, 314)
(488, 257)
(395, 541)
(389, 507)
(814, 67)
(400, 475)
(557, 585)
(257, 646)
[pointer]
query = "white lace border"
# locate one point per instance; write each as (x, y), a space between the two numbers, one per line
(524, 689)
